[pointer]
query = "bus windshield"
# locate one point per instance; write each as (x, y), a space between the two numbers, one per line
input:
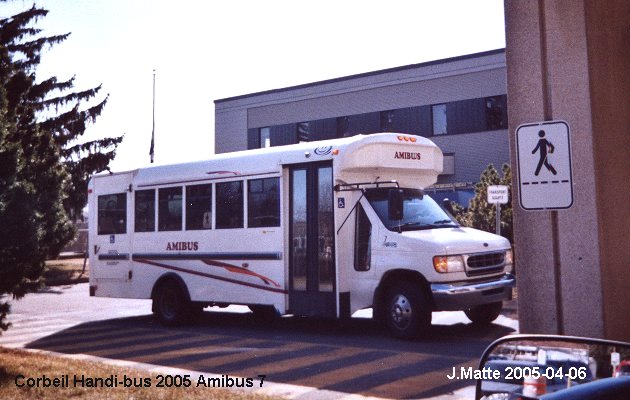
(419, 211)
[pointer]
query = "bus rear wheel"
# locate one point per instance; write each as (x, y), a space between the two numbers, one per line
(170, 305)
(407, 313)
(264, 313)
(484, 314)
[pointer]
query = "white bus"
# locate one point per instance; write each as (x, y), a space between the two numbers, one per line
(313, 229)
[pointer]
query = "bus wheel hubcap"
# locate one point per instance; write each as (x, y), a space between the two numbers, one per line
(401, 311)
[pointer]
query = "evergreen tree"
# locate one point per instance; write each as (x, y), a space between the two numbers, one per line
(481, 214)
(43, 168)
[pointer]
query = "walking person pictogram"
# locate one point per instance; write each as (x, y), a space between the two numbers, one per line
(543, 146)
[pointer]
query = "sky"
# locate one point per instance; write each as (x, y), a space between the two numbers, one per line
(202, 51)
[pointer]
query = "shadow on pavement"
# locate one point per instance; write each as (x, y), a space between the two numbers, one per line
(353, 356)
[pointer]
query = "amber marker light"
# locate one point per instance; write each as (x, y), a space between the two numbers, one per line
(439, 263)
(402, 138)
(335, 152)
(444, 264)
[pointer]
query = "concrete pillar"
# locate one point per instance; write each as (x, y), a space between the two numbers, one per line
(568, 60)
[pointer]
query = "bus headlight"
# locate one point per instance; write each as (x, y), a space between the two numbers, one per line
(445, 264)
(509, 258)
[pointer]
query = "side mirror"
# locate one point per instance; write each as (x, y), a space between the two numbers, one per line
(554, 367)
(446, 203)
(395, 204)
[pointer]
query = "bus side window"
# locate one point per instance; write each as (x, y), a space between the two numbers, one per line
(170, 209)
(199, 207)
(362, 245)
(145, 211)
(263, 202)
(229, 205)
(112, 214)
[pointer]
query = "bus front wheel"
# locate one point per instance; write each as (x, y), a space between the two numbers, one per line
(407, 312)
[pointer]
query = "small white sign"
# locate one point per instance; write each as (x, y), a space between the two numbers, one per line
(542, 357)
(497, 194)
(543, 152)
(615, 358)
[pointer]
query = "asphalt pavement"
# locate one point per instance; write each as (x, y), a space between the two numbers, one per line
(302, 358)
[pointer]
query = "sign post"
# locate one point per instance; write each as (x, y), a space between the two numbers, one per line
(497, 195)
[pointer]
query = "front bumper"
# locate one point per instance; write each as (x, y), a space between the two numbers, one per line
(461, 296)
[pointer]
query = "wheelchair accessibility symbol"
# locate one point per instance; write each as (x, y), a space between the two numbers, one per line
(341, 202)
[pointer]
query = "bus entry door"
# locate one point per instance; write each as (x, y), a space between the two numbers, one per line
(312, 241)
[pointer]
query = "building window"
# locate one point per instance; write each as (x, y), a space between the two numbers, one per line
(112, 214)
(463, 116)
(364, 124)
(466, 116)
(343, 127)
(253, 138)
(198, 207)
(496, 112)
(281, 135)
(265, 137)
(439, 119)
(170, 209)
(303, 132)
(263, 203)
(145, 211)
(411, 120)
(387, 121)
(320, 129)
(229, 205)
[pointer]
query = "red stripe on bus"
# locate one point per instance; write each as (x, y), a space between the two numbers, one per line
(220, 278)
(239, 270)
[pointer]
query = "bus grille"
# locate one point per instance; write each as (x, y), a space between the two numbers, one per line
(487, 263)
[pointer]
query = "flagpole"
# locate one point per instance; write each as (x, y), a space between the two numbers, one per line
(152, 150)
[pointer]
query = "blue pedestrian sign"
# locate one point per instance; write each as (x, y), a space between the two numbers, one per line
(543, 152)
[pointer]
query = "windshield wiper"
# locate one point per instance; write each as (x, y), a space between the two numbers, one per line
(399, 228)
(418, 225)
(411, 223)
(443, 221)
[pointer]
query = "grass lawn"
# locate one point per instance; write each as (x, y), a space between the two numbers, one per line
(33, 365)
(66, 271)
